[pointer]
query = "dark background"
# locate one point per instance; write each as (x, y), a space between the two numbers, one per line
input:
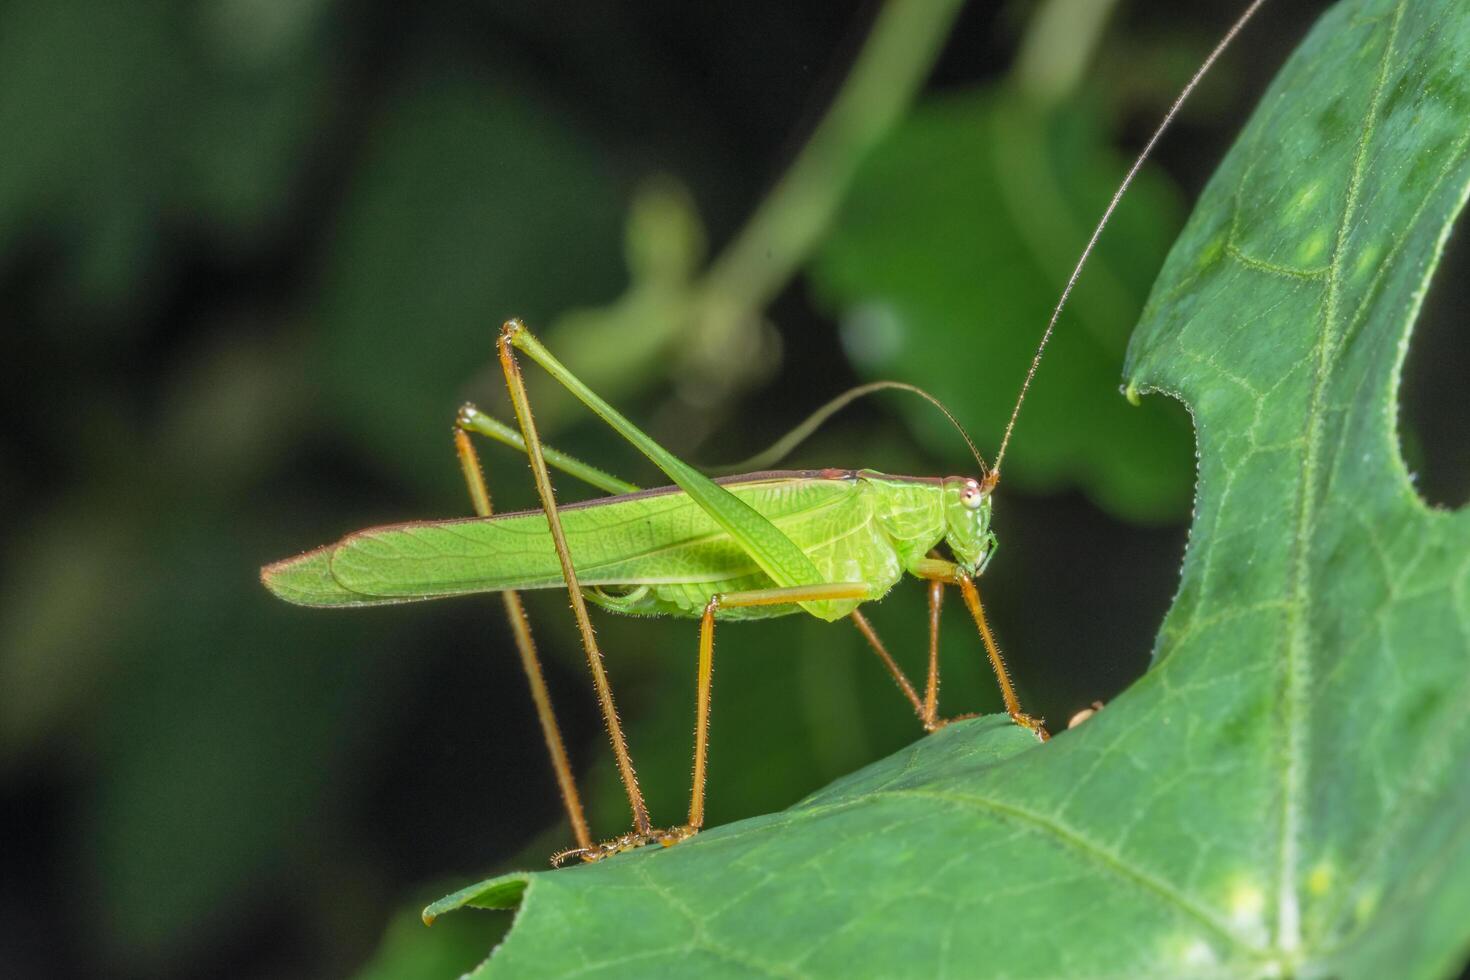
(252, 257)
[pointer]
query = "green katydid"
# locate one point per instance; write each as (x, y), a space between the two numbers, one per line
(757, 545)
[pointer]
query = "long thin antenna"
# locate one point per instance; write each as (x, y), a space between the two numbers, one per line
(1112, 206)
(782, 447)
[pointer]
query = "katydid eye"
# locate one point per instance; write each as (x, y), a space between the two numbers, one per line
(970, 495)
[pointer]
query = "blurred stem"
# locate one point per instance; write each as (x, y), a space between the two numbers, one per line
(894, 62)
(1058, 47)
(714, 322)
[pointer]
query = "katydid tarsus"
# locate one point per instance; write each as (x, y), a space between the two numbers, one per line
(774, 543)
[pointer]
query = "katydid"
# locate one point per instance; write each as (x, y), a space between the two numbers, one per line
(774, 543)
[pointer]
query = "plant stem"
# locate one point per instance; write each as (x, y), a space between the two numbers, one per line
(895, 60)
(1058, 47)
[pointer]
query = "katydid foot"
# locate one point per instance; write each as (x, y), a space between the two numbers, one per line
(1036, 726)
(626, 842)
(938, 723)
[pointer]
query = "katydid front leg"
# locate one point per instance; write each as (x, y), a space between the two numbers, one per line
(936, 570)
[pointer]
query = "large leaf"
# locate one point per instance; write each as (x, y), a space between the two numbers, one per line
(1284, 792)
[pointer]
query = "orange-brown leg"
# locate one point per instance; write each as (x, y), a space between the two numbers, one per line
(931, 686)
(734, 600)
(521, 627)
(642, 829)
(727, 600)
(894, 671)
(947, 573)
(997, 664)
(926, 710)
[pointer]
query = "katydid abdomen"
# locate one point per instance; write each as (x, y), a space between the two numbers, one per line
(655, 552)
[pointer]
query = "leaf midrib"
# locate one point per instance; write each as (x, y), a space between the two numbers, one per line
(1393, 821)
(1296, 686)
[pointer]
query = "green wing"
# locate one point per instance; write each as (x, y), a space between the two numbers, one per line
(658, 536)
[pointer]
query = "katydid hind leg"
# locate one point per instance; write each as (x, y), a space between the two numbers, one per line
(772, 550)
(471, 419)
(516, 385)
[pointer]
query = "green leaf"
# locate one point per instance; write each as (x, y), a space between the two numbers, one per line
(156, 115)
(945, 263)
(408, 952)
(1284, 792)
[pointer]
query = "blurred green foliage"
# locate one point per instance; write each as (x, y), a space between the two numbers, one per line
(429, 249)
(929, 257)
(252, 253)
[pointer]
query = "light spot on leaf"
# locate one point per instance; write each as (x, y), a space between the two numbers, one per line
(1306, 197)
(1210, 252)
(1314, 248)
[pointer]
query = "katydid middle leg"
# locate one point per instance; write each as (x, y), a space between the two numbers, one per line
(726, 600)
(735, 600)
(927, 710)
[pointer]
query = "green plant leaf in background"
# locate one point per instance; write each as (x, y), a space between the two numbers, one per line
(1283, 793)
(469, 192)
(126, 134)
(928, 250)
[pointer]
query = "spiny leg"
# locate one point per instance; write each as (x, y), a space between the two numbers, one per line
(480, 495)
(516, 384)
(734, 600)
(926, 710)
(727, 600)
(904, 687)
(931, 686)
(936, 570)
(997, 664)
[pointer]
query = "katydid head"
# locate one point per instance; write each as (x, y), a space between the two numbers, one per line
(967, 523)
